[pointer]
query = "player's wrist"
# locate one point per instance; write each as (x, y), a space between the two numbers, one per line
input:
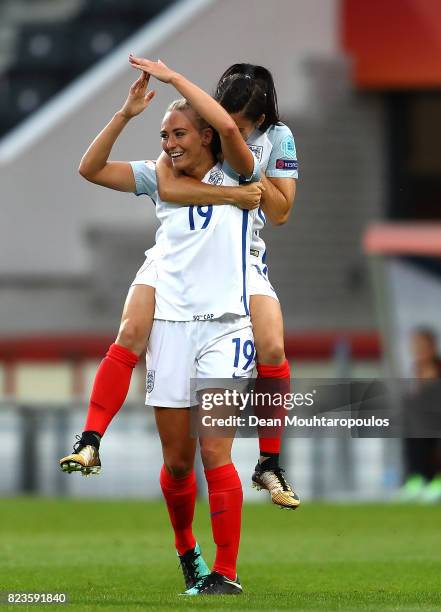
(221, 195)
(240, 197)
(122, 115)
(177, 80)
(230, 195)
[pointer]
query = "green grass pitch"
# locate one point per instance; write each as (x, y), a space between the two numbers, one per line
(118, 555)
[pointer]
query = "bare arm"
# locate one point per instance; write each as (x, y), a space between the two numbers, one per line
(184, 190)
(278, 198)
(94, 165)
(234, 147)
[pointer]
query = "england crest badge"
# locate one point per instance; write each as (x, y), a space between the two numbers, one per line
(150, 380)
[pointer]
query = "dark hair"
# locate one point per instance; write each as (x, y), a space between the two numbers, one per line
(249, 89)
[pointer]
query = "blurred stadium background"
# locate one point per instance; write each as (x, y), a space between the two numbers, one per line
(362, 97)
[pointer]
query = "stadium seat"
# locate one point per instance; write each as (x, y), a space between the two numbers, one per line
(50, 54)
(44, 46)
(94, 41)
(24, 92)
(130, 11)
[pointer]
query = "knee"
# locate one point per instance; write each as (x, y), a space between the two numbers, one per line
(178, 467)
(271, 352)
(178, 462)
(131, 335)
(213, 455)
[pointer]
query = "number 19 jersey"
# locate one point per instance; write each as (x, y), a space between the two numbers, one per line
(204, 251)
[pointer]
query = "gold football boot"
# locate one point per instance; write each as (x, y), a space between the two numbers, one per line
(282, 494)
(84, 459)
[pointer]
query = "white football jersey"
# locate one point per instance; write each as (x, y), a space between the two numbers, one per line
(202, 252)
(275, 151)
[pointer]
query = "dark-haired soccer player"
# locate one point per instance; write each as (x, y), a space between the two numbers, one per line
(248, 94)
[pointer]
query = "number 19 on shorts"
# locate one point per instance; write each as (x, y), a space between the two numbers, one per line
(243, 353)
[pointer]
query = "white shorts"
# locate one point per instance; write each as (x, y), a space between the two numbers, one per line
(147, 273)
(259, 283)
(183, 350)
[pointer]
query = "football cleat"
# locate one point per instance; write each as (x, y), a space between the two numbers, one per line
(193, 566)
(282, 494)
(216, 584)
(84, 459)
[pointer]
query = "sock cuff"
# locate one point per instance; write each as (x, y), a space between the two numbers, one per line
(274, 371)
(269, 455)
(122, 354)
(171, 482)
(270, 446)
(223, 478)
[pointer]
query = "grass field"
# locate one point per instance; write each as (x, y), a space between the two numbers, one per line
(119, 555)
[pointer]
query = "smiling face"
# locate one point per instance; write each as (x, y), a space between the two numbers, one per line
(246, 126)
(186, 144)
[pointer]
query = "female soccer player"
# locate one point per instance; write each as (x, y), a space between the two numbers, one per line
(186, 285)
(248, 93)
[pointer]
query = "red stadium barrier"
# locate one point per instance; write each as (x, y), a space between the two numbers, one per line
(76, 349)
(79, 347)
(423, 239)
(322, 345)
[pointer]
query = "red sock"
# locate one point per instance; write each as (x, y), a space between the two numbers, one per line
(180, 497)
(269, 437)
(110, 387)
(225, 495)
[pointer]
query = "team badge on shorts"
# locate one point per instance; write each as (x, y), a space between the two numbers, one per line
(150, 380)
(216, 177)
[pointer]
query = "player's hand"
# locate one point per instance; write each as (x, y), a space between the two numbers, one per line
(248, 196)
(157, 69)
(139, 98)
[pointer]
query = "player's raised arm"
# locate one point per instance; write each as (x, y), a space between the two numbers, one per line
(186, 191)
(235, 150)
(94, 165)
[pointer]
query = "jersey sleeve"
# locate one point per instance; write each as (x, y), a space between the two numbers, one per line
(256, 172)
(144, 173)
(255, 176)
(282, 162)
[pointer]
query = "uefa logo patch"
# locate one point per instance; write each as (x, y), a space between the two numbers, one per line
(150, 380)
(288, 147)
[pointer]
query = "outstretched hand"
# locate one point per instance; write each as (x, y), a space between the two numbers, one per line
(157, 69)
(139, 98)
